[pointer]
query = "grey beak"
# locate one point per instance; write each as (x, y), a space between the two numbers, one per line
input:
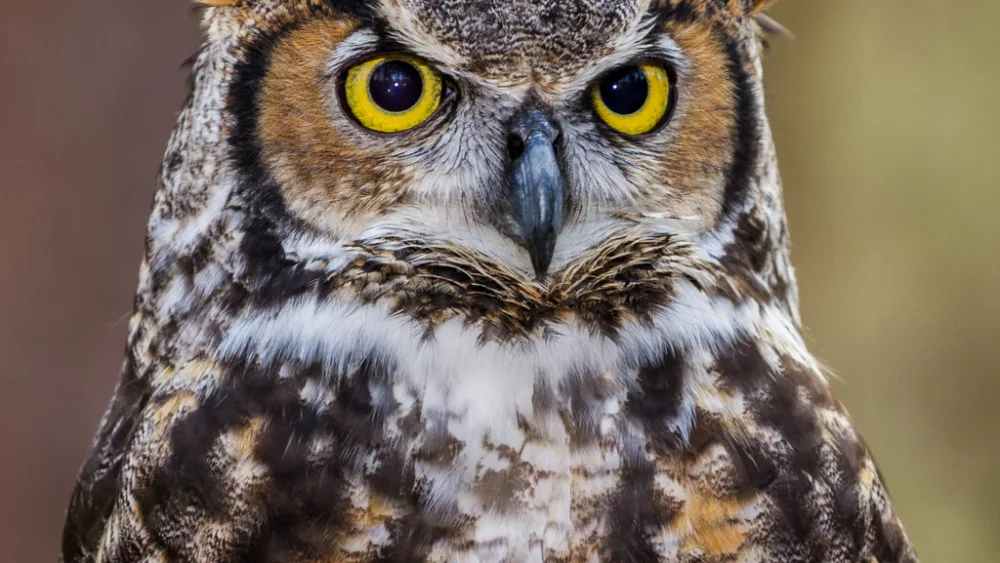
(536, 185)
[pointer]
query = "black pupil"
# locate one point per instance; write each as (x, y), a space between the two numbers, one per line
(625, 91)
(396, 86)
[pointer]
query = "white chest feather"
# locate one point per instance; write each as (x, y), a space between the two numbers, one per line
(527, 437)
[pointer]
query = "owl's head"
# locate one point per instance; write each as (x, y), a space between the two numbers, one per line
(525, 143)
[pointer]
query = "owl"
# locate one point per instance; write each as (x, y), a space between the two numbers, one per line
(475, 281)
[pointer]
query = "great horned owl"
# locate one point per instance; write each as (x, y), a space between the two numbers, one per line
(475, 280)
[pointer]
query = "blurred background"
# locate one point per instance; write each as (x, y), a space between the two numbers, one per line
(888, 130)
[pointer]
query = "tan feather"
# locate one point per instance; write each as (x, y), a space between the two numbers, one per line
(767, 29)
(218, 3)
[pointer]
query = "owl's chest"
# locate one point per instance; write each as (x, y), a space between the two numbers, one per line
(453, 446)
(513, 450)
(503, 472)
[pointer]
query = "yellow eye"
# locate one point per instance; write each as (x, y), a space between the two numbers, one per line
(634, 99)
(392, 93)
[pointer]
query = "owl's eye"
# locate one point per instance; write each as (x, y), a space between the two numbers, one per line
(634, 99)
(392, 93)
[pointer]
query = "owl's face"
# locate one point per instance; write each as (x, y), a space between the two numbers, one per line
(525, 131)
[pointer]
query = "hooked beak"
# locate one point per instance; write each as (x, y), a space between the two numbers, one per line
(536, 183)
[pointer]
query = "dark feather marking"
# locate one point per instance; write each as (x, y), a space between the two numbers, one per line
(364, 8)
(891, 544)
(637, 507)
(657, 399)
(302, 508)
(100, 478)
(415, 534)
(679, 12)
(746, 156)
(190, 64)
(635, 510)
(586, 390)
(809, 530)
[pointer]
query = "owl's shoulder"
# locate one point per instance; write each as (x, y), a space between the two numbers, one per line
(781, 468)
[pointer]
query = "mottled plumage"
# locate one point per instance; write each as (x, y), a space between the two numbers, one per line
(342, 351)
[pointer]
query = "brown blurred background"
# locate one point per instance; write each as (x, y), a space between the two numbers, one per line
(886, 119)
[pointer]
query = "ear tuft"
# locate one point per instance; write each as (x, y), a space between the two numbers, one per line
(768, 29)
(758, 6)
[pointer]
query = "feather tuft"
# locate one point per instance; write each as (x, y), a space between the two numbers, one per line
(218, 3)
(767, 29)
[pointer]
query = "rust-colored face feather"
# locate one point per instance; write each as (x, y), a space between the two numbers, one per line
(475, 280)
(329, 169)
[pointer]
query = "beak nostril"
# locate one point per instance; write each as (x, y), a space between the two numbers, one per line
(515, 146)
(557, 143)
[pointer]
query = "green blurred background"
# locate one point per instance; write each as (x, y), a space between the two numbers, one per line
(888, 131)
(886, 118)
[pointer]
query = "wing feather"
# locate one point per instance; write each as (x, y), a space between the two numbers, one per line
(98, 483)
